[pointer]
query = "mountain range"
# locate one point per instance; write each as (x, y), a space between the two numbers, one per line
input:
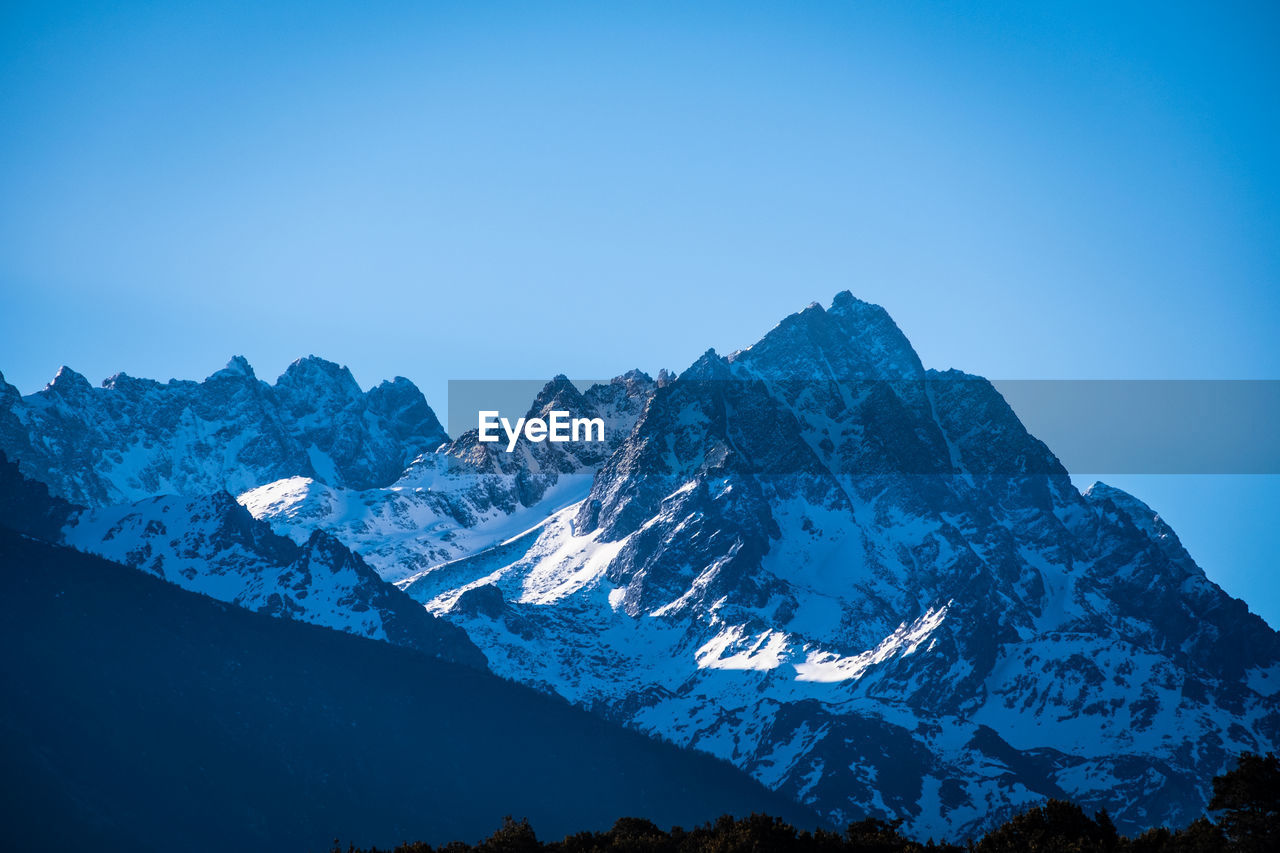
(861, 581)
(140, 716)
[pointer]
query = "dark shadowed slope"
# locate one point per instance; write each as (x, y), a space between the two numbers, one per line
(138, 715)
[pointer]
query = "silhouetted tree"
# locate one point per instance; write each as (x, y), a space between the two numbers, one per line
(877, 836)
(1249, 799)
(1056, 827)
(515, 836)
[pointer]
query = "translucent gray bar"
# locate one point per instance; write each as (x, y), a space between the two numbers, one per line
(1092, 426)
(1155, 426)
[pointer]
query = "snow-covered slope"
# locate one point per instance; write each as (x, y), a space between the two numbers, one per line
(405, 530)
(212, 545)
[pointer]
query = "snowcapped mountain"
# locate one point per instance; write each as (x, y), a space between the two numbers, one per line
(869, 586)
(861, 581)
(135, 438)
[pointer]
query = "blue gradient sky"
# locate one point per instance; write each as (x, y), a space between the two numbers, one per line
(495, 190)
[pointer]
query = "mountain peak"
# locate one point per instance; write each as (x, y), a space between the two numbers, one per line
(239, 364)
(399, 390)
(559, 393)
(405, 409)
(1135, 509)
(124, 382)
(8, 393)
(709, 365)
(237, 369)
(845, 301)
(852, 340)
(635, 374)
(315, 372)
(314, 364)
(67, 379)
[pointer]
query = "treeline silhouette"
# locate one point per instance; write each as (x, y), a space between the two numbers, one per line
(1245, 808)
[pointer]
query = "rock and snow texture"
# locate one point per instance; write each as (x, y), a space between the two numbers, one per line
(212, 545)
(860, 580)
(867, 585)
(135, 438)
(466, 496)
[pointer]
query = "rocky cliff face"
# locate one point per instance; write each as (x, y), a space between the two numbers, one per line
(868, 585)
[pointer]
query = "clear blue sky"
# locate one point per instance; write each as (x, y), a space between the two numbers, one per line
(493, 190)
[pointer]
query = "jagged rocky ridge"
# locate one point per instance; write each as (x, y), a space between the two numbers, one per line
(134, 438)
(861, 581)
